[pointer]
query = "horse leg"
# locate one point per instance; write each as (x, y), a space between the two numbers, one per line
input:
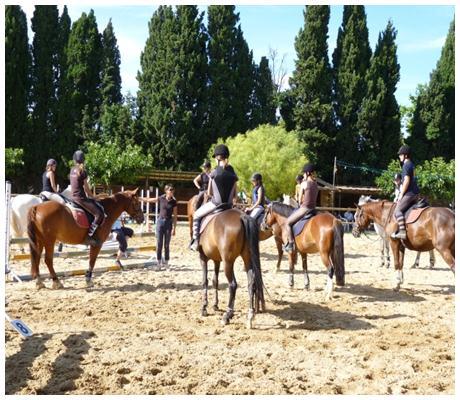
(292, 259)
(232, 286)
(416, 263)
(398, 255)
(35, 256)
(329, 289)
(215, 283)
(382, 252)
(204, 268)
(448, 258)
(279, 247)
(432, 260)
(251, 312)
(305, 272)
(49, 253)
(93, 253)
(387, 253)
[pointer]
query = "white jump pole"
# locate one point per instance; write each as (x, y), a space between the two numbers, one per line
(147, 222)
(7, 231)
(142, 208)
(156, 205)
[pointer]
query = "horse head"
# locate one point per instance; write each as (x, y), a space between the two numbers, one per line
(268, 219)
(362, 221)
(134, 205)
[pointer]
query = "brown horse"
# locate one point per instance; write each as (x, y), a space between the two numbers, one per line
(192, 205)
(52, 221)
(229, 235)
(323, 233)
(434, 229)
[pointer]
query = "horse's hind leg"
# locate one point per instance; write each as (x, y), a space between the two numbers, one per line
(204, 303)
(292, 259)
(416, 263)
(448, 257)
(251, 293)
(279, 248)
(432, 260)
(215, 284)
(305, 272)
(35, 261)
(49, 253)
(232, 286)
(330, 273)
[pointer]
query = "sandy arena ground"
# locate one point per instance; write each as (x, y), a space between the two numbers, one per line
(141, 332)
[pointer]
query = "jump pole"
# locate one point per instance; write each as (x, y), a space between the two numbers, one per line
(7, 232)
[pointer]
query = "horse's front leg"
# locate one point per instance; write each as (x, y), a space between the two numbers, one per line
(204, 269)
(232, 286)
(49, 253)
(292, 258)
(432, 260)
(279, 248)
(387, 253)
(305, 272)
(93, 253)
(398, 256)
(215, 283)
(251, 289)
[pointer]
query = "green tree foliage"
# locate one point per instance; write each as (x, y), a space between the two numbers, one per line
(311, 85)
(270, 150)
(263, 108)
(13, 162)
(17, 78)
(435, 178)
(379, 120)
(112, 162)
(351, 60)
(84, 58)
(111, 78)
(172, 88)
(432, 132)
(117, 123)
(231, 73)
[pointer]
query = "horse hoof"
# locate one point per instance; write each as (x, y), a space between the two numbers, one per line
(204, 313)
(224, 321)
(397, 287)
(249, 324)
(58, 285)
(40, 285)
(307, 287)
(215, 307)
(89, 283)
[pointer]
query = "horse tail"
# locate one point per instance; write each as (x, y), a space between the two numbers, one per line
(33, 243)
(338, 258)
(15, 224)
(251, 231)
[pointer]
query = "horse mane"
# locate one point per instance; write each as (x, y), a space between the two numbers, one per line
(282, 209)
(102, 196)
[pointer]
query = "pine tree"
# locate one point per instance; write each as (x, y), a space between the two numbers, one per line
(84, 58)
(263, 109)
(379, 120)
(230, 74)
(433, 128)
(172, 87)
(111, 79)
(351, 60)
(311, 85)
(17, 79)
(45, 22)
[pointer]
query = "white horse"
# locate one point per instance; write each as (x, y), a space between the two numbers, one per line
(385, 244)
(20, 206)
(290, 201)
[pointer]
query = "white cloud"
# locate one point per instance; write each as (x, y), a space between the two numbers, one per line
(421, 45)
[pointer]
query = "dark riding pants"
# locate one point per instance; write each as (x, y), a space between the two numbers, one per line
(91, 206)
(293, 218)
(163, 232)
(121, 237)
(402, 206)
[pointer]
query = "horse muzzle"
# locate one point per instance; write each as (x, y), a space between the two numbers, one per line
(356, 232)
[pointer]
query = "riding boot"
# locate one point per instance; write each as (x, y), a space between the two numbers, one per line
(196, 235)
(91, 240)
(194, 244)
(289, 246)
(401, 233)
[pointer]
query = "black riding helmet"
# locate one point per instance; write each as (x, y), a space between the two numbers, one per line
(221, 150)
(397, 176)
(206, 164)
(79, 157)
(404, 150)
(308, 168)
(299, 178)
(256, 177)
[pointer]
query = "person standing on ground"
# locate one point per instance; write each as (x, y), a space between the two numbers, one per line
(166, 223)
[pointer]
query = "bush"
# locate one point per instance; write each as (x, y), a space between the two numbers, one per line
(111, 163)
(435, 178)
(13, 160)
(270, 150)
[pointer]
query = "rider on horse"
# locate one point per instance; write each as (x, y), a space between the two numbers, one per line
(202, 181)
(409, 191)
(49, 179)
(258, 196)
(222, 190)
(310, 194)
(81, 192)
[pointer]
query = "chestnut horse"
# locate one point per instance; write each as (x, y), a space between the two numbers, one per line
(434, 229)
(323, 233)
(229, 235)
(263, 235)
(51, 221)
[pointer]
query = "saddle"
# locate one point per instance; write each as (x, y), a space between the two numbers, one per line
(299, 225)
(48, 196)
(83, 218)
(208, 218)
(414, 212)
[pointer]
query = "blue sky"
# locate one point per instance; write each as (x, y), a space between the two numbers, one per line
(421, 33)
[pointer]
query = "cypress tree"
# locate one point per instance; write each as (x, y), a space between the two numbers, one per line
(84, 58)
(17, 79)
(351, 60)
(311, 85)
(111, 79)
(172, 87)
(263, 110)
(230, 74)
(44, 83)
(379, 120)
(433, 127)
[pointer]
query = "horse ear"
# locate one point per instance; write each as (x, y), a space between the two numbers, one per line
(134, 192)
(357, 206)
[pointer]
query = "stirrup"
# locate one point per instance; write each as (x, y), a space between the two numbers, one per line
(289, 247)
(193, 245)
(402, 234)
(92, 229)
(92, 241)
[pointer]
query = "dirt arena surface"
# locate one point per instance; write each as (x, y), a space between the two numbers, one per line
(141, 332)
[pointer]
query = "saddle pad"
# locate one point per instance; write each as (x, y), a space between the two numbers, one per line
(79, 216)
(414, 214)
(208, 218)
(299, 225)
